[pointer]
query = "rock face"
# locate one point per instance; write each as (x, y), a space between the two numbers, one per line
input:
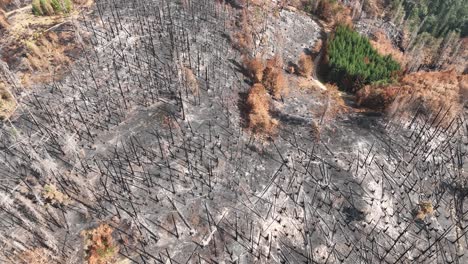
(177, 178)
(368, 27)
(290, 34)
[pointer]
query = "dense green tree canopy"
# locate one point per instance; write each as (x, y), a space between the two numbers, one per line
(354, 62)
(437, 17)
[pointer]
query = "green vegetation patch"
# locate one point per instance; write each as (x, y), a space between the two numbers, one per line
(51, 7)
(353, 62)
(437, 17)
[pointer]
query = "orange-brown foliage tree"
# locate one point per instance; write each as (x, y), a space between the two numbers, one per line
(275, 82)
(376, 97)
(258, 102)
(274, 78)
(254, 68)
(384, 46)
(425, 92)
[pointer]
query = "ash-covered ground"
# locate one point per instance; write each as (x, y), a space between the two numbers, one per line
(125, 140)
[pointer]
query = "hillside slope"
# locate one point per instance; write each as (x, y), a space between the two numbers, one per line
(139, 153)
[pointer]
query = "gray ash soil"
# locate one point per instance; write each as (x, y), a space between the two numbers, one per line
(181, 180)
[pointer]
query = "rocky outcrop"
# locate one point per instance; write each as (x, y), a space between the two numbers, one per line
(370, 27)
(290, 34)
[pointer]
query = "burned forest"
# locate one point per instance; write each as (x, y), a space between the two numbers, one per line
(206, 131)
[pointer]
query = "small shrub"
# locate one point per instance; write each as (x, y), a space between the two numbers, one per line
(100, 246)
(425, 209)
(7, 102)
(305, 65)
(54, 196)
(376, 97)
(54, 38)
